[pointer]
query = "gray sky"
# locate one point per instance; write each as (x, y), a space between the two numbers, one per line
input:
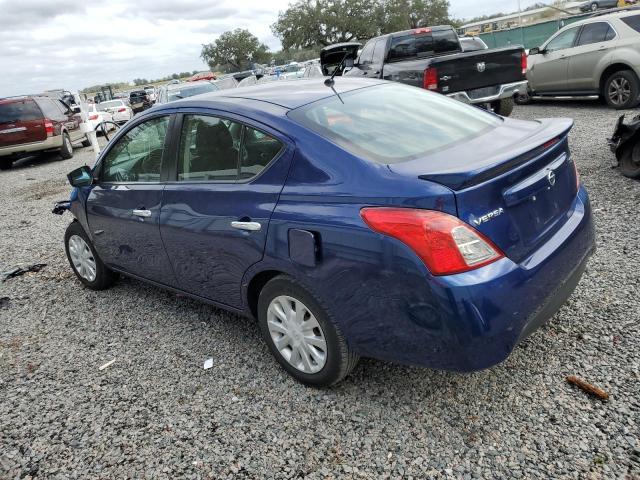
(72, 44)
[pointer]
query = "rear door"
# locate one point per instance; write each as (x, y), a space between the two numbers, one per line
(21, 121)
(216, 212)
(593, 45)
(549, 70)
(123, 208)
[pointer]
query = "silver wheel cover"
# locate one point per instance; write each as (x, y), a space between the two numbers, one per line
(82, 258)
(297, 334)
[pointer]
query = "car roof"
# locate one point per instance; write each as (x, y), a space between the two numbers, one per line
(288, 94)
(175, 86)
(604, 16)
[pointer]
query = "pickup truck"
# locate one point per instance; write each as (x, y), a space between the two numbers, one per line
(433, 58)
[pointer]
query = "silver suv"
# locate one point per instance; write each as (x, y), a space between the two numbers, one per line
(596, 56)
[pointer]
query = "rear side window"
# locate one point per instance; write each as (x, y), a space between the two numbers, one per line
(393, 123)
(19, 111)
(49, 108)
(633, 21)
(595, 33)
(256, 152)
(445, 41)
(208, 149)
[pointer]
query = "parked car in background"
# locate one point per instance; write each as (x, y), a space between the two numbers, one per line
(95, 117)
(139, 101)
(34, 124)
(312, 70)
(472, 44)
(151, 93)
(386, 222)
(248, 81)
(596, 56)
(432, 58)
(170, 93)
(202, 76)
(593, 5)
(119, 109)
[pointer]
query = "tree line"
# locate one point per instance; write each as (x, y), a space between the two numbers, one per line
(308, 25)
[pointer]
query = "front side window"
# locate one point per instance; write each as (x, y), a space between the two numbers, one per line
(378, 51)
(595, 33)
(393, 123)
(137, 156)
(563, 40)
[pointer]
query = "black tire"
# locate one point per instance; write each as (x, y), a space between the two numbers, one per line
(66, 152)
(593, 7)
(611, 93)
(523, 99)
(86, 142)
(6, 163)
(630, 161)
(503, 107)
(340, 359)
(104, 277)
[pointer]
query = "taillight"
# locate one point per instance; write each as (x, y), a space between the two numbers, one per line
(430, 79)
(523, 62)
(122, 109)
(417, 31)
(48, 127)
(443, 242)
(93, 116)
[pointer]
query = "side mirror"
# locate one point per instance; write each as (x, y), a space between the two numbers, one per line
(534, 51)
(80, 177)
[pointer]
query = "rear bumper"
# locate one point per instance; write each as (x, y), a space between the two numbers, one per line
(26, 148)
(473, 320)
(507, 90)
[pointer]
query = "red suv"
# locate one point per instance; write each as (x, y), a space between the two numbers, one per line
(35, 124)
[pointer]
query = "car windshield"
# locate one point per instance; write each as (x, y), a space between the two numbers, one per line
(191, 90)
(393, 123)
(110, 104)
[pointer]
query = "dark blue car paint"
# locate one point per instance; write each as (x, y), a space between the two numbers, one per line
(384, 299)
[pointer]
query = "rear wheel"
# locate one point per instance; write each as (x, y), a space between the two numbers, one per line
(66, 151)
(301, 334)
(621, 90)
(523, 98)
(630, 161)
(84, 259)
(503, 107)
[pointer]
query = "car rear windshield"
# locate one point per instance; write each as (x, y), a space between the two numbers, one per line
(633, 21)
(429, 43)
(19, 111)
(393, 123)
(190, 91)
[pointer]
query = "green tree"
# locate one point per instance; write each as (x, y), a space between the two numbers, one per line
(406, 14)
(235, 49)
(312, 23)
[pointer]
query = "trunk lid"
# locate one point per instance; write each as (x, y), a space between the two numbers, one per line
(479, 73)
(516, 184)
(21, 121)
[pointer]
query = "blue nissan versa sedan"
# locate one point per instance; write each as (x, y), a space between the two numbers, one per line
(375, 220)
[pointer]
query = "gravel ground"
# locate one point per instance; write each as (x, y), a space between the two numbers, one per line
(156, 413)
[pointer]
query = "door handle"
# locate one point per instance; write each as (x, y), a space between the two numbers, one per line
(142, 213)
(249, 226)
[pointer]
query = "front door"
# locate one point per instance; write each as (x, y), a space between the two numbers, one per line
(594, 43)
(549, 69)
(216, 213)
(123, 208)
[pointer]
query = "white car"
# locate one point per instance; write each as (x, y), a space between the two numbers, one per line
(151, 92)
(95, 117)
(120, 111)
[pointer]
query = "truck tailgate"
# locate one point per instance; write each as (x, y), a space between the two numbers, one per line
(483, 69)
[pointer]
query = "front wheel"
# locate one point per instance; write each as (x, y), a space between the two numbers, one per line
(621, 90)
(84, 259)
(66, 151)
(594, 7)
(6, 163)
(301, 334)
